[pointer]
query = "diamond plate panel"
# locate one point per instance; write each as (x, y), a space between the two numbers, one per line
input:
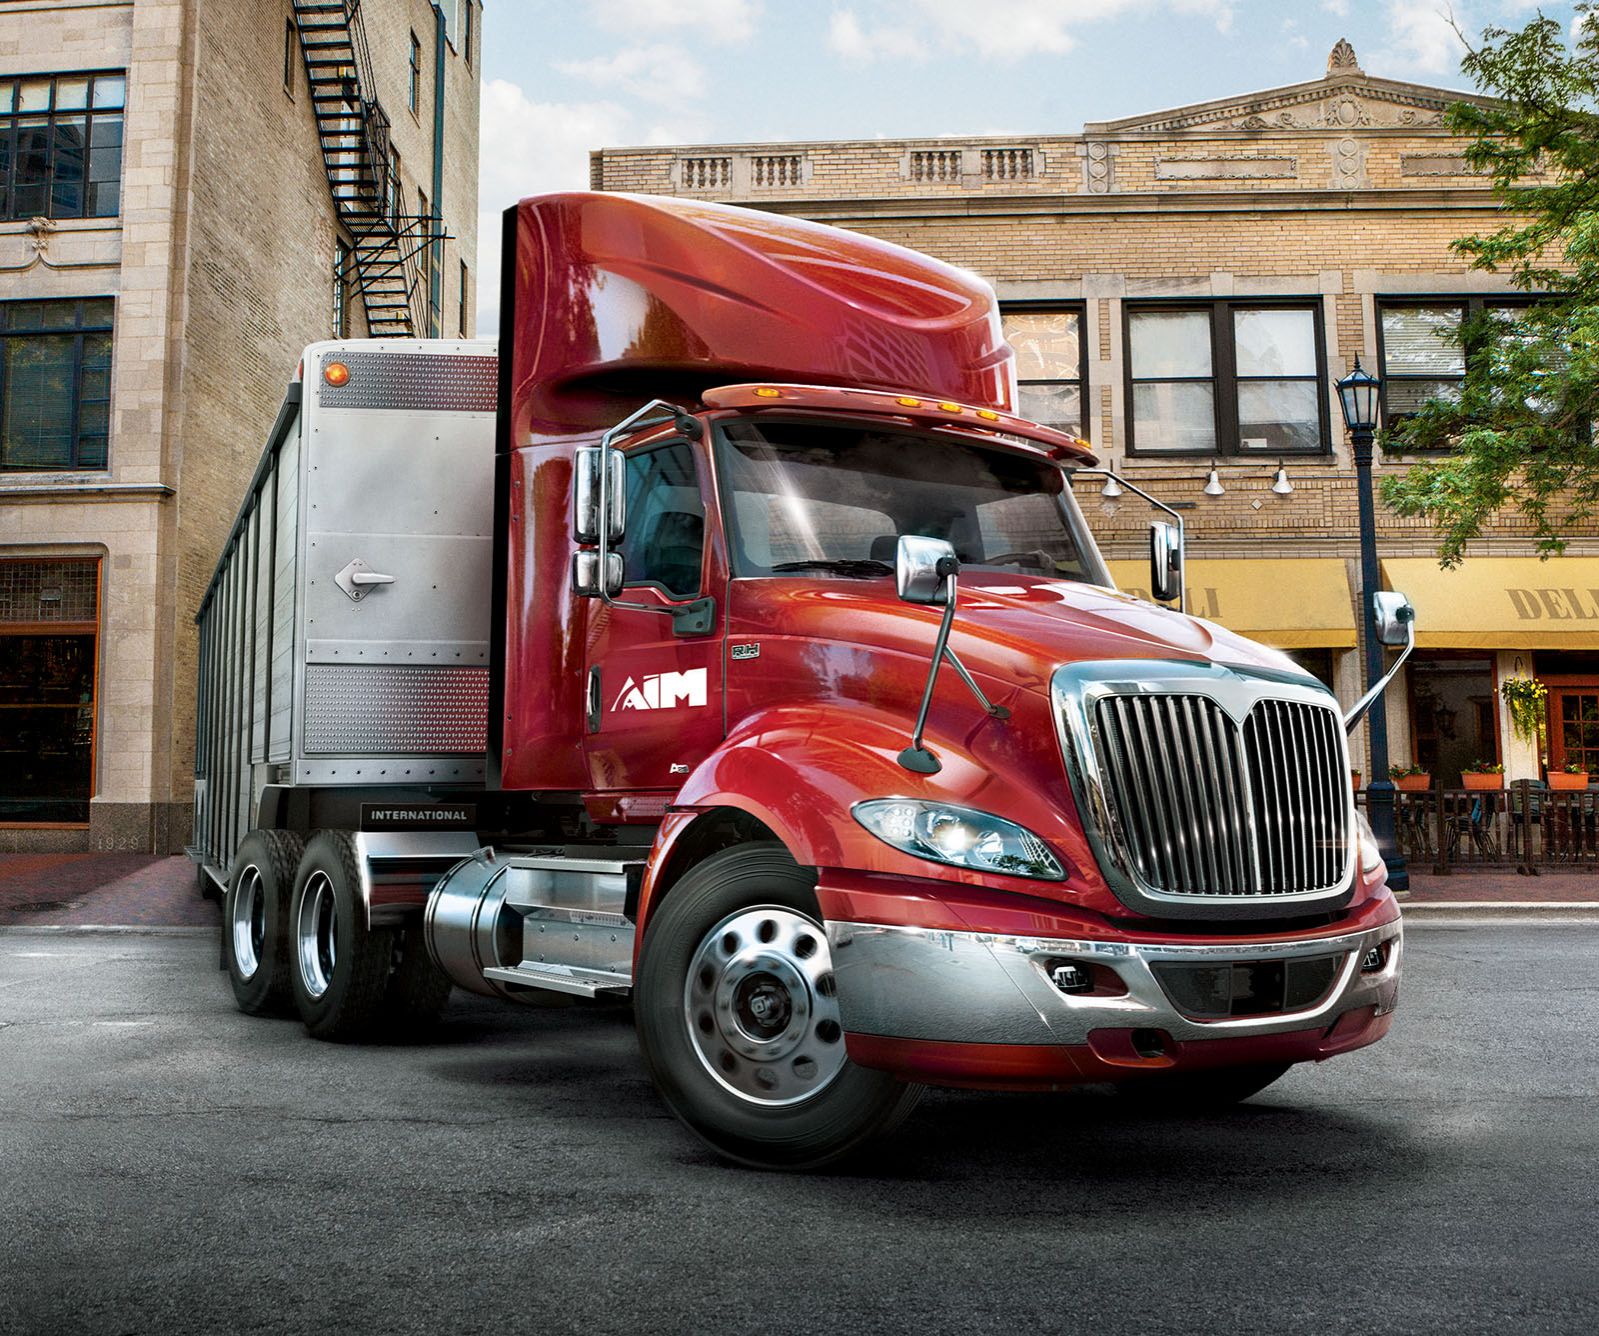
(362, 710)
(441, 383)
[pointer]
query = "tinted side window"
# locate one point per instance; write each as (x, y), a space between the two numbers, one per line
(665, 520)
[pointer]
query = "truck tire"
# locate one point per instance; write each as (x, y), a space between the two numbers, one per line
(418, 989)
(255, 922)
(738, 1021)
(1199, 1092)
(339, 967)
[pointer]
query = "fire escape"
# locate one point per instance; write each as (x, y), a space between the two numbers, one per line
(387, 246)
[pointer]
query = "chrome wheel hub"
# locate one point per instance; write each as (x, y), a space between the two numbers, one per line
(761, 1006)
(317, 935)
(248, 922)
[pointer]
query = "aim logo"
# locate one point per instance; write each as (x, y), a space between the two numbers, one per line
(662, 691)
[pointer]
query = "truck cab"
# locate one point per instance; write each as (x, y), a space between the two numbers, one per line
(811, 721)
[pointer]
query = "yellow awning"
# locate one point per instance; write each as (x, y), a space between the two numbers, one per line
(1289, 602)
(1501, 602)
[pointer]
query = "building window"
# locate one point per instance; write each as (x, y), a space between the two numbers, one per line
(341, 291)
(290, 41)
(1226, 378)
(413, 88)
(49, 618)
(392, 202)
(1050, 367)
(466, 287)
(55, 384)
(424, 236)
(467, 32)
(61, 145)
(1421, 351)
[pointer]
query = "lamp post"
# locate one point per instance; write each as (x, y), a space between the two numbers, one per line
(1357, 394)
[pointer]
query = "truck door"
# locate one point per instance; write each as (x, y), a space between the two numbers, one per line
(655, 697)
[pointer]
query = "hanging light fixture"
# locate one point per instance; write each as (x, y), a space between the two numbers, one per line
(1111, 490)
(1280, 484)
(1213, 485)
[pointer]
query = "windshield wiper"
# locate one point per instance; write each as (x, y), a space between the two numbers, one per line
(853, 568)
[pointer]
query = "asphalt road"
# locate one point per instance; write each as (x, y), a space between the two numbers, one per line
(168, 1165)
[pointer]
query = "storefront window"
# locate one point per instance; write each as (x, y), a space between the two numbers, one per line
(1453, 711)
(48, 612)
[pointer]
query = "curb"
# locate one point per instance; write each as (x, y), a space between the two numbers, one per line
(92, 929)
(1533, 911)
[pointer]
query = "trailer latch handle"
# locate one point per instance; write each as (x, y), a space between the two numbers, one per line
(358, 579)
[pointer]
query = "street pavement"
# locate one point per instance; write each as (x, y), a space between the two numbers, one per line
(169, 1165)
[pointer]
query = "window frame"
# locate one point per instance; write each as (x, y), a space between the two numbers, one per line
(413, 87)
(653, 447)
(10, 123)
(462, 304)
(1077, 307)
(1224, 373)
(291, 40)
(341, 289)
(1471, 306)
(76, 331)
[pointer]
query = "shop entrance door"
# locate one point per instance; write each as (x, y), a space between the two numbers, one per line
(1574, 737)
(48, 635)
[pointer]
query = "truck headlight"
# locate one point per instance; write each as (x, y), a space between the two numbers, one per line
(960, 836)
(1366, 845)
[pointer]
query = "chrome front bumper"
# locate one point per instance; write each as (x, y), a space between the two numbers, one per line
(986, 988)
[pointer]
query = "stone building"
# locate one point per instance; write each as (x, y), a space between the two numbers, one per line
(1182, 288)
(190, 192)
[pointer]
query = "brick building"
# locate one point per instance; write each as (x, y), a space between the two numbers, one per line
(190, 191)
(1182, 288)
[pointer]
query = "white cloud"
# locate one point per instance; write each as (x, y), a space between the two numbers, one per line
(529, 148)
(997, 29)
(1338, 8)
(703, 20)
(1421, 38)
(660, 72)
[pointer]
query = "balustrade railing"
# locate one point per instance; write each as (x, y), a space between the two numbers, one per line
(1524, 825)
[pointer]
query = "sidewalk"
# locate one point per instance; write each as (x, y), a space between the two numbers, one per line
(146, 891)
(121, 890)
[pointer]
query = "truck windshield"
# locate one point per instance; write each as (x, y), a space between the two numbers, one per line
(833, 500)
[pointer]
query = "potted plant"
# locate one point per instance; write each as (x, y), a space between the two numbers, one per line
(1483, 775)
(1572, 777)
(1410, 778)
(1526, 699)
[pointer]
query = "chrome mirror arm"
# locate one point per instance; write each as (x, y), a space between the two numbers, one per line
(1359, 709)
(1182, 541)
(916, 757)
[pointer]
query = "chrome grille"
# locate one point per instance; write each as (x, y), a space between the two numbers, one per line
(1202, 806)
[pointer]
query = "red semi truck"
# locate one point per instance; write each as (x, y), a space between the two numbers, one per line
(725, 641)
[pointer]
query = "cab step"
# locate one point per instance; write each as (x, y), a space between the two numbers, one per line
(562, 979)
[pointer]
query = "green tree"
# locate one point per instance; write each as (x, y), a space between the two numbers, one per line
(1520, 434)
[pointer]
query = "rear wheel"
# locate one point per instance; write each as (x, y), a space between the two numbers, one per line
(1199, 1092)
(738, 1018)
(340, 967)
(255, 916)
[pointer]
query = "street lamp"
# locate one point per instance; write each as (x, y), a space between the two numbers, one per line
(1357, 394)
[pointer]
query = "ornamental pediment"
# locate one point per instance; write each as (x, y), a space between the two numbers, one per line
(1345, 99)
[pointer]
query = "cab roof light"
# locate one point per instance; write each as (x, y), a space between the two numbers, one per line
(907, 402)
(767, 392)
(947, 407)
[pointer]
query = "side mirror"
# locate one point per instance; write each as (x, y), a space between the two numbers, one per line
(1394, 617)
(922, 567)
(586, 495)
(1165, 562)
(586, 573)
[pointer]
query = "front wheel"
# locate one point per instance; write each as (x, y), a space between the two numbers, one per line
(738, 1017)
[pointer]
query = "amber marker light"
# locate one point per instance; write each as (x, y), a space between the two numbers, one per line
(987, 414)
(907, 402)
(950, 408)
(766, 392)
(336, 374)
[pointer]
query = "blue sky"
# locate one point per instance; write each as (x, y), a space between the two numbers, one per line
(562, 78)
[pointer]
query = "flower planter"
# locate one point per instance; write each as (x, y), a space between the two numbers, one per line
(1470, 780)
(1559, 779)
(1413, 783)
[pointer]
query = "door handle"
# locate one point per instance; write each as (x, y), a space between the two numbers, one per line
(358, 580)
(594, 700)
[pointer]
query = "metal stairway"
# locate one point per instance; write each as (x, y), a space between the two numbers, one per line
(386, 245)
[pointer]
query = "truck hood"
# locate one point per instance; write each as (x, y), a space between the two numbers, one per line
(1014, 629)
